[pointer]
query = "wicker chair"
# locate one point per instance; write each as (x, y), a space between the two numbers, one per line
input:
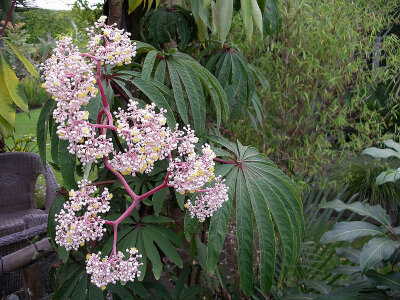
(20, 220)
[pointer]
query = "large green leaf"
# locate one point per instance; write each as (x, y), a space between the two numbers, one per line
(271, 18)
(14, 88)
(247, 18)
(273, 199)
(67, 165)
(244, 234)
(7, 107)
(31, 69)
(391, 279)
(224, 18)
(364, 209)
(41, 128)
(178, 93)
(349, 231)
(375, 250)
(257, 16)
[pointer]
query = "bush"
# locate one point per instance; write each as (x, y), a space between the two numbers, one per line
(35, 94)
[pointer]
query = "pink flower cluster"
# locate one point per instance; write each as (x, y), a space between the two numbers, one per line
(195, 171)
(147, 137)
(79, 221)
(208, 201)
(110, 270)
(110, 44)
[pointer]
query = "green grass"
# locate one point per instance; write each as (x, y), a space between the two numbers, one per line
(26, 125)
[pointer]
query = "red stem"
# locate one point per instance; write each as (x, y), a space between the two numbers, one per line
(220, 160)
(8, 17)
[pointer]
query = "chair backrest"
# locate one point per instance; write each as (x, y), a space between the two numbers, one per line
(18, 174)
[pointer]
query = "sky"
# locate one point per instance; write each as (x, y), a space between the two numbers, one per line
(60, 4)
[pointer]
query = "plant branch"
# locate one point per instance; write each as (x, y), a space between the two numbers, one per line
(8, 17)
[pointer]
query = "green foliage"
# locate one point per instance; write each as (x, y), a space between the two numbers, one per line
(35, 94)
(359, 174)
(393, 150)
(167, 28)
(41, 22)
(238, 78)
(319, 79)
(260, 189)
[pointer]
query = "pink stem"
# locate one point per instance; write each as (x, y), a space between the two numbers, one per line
(220, 160)
(8, 17)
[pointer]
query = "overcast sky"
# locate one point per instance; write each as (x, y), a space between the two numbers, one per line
(60, 4)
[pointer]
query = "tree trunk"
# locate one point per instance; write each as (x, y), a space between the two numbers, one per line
(115, 12)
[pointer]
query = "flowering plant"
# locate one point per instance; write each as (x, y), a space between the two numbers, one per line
(73, 78)
(116, 109)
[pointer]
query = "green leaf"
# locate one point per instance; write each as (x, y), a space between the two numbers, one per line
(121, 291)
(257, 16)
(219, 225)
(66, 288)
(375, 250)
(80, 290)
(271, 21)
(165, 245)
(349, 231)
(158, 200)
(247, 18)
(7, 107)
(14, 88)
(31, 69)
(159, 74)
(41, 128)
(148, 64)
(345, 269)
(381, 153)
(54, 145)
(152, 253)
(391, 279)
(67, 165)
(244, 234)
(190, 225)
(133, 4)
(353, 255)
(94, 293)
(224, 18)
(155, 96)
(178, 92)
(364, 209)
(55, 208)
(196, 103)
(156, 219)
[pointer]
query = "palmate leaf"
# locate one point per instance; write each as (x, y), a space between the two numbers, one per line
(192, 86)
(262, 190)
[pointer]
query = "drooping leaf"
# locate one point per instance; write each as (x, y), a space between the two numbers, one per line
(375, 250)
(349, 231)
(224, 10)
(31, 69)
(121, 291)
(364, 209)
(7, 107)
(80, 290)
(178, 93)
(247, 18)
(14, 88)
(257, 16)
(148, 64)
